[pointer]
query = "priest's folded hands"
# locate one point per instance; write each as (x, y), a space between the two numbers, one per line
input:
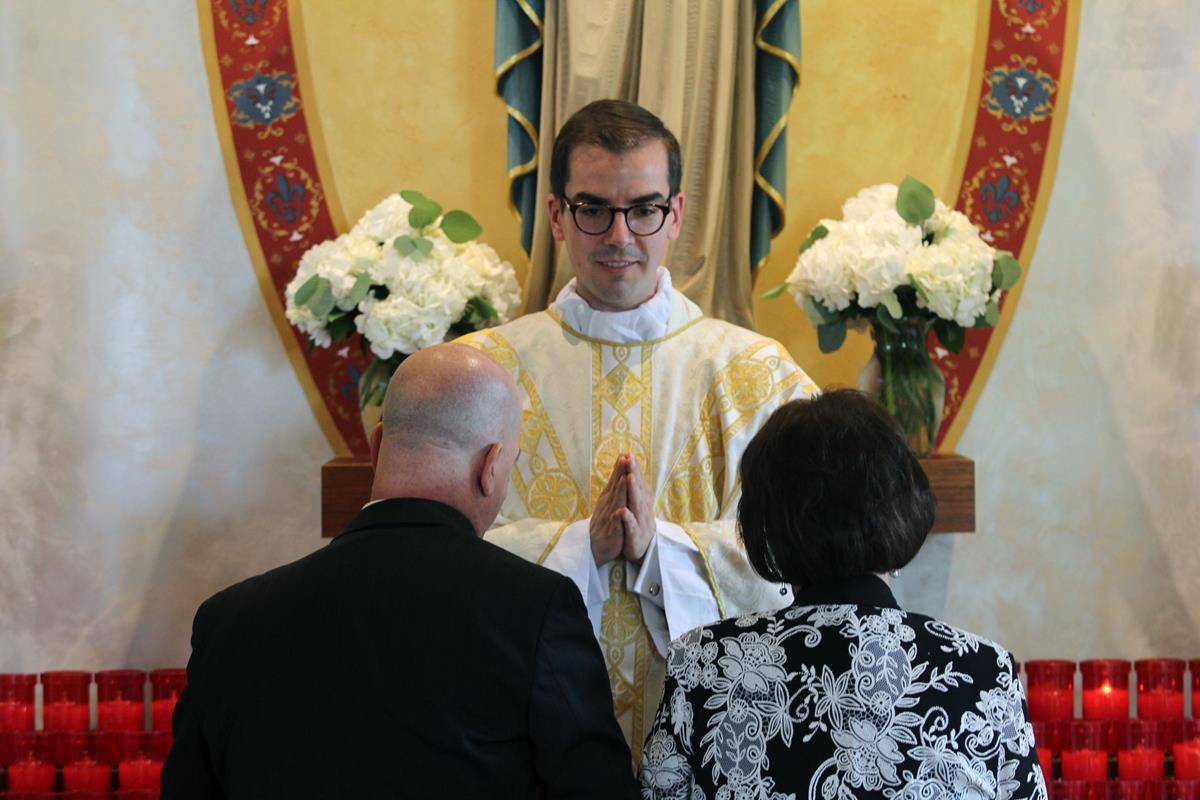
(623, 520)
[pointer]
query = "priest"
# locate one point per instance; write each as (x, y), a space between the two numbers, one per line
(636, 411)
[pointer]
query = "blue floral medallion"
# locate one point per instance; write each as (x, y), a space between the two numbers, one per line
(1019, 95)
(263, 99)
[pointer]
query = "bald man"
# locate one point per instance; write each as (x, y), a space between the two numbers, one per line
(408, 657)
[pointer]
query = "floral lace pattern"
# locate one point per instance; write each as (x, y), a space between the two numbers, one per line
(833, 702)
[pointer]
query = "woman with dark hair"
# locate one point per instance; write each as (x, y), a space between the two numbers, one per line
(842, 694)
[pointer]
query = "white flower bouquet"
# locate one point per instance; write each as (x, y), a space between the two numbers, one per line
(899, 253)
(901, 261)
(406, 277)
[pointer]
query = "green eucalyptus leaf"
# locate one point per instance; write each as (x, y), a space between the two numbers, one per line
(359, 290)
(773, 293)
(950, 334)
(460, 227)
(306, 290)
(1005, 272)
(815, 235)
(914, 201)
(992, 315)
(321, 302)
(481, 309)
(892, 304)
(830, 336)
(342, 327)
(424, 211)
(414, 198)
(818, 312)
(414, 247)
(886, 319)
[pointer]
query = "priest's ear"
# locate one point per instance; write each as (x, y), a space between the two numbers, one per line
(492, 477)
(374, 441)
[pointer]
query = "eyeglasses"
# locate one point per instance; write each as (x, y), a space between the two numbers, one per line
(644, 219)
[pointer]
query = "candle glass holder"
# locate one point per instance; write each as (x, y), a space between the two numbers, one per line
(1052, 736)
(121, 700)
(1183, 790)
(141, 759)
(1105, 688)
(1080, 790)
(1086, 757)
(65, 702)
(1159, 688)
(1139, 790)
(165, 688)
(31, 765)
(82, 767)
(1142, 756)
(1185, 758)
(16, 702)
(1050, 690)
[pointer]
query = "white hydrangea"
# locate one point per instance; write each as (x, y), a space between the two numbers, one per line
(398, 325)
(953, 276)
(878, 249)
(871, 201)
(386, 221)
(823, 272)
(872, 251)
(425, 294)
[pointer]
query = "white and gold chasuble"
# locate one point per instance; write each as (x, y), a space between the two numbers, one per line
(685, 405)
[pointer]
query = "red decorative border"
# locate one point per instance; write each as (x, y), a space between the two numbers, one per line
(285, 210)
(282, 188)
(1007, 162)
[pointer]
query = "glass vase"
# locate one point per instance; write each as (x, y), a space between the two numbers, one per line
(902, 377)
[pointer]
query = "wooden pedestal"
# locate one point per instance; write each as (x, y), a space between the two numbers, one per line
(346, 486)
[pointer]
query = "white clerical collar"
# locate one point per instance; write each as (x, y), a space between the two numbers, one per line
(644, 323)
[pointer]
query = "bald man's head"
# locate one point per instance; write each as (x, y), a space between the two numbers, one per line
(449, 397)
(451, 421)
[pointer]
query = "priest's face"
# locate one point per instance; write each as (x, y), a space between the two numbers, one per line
(616, 268)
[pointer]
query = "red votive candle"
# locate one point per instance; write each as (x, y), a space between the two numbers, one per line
(1139, 790)
(1183, 790)
(141, 759)
(65, 701)
(1087, 757)
(137, 794)
(1105, 688)
(121, 700)
(31, 767)
(1080, 790)
(1051, 690)
(82, 767)
(16, 702)
(1053, 736)
(1194, 668)
(1141, 757)
(1159, 688)
(1186, 756)
(165, 687)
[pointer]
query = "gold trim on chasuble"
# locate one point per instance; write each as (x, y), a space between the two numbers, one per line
(542, 476)
(741, 389)
(622, 422)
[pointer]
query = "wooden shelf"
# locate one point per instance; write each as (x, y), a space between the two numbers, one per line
(346, 487)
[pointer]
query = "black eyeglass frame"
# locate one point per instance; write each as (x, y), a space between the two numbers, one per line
(574, 206)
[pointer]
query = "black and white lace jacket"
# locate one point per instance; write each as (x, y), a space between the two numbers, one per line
(840, 695)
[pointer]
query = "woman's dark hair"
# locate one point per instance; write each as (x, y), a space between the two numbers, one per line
(618, 127)
(830, 489)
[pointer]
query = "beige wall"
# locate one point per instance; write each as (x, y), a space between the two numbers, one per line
(154, 445)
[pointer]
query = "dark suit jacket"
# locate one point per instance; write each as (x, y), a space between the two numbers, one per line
(407, 658)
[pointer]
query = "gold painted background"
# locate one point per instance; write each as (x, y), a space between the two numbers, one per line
(406, 100)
